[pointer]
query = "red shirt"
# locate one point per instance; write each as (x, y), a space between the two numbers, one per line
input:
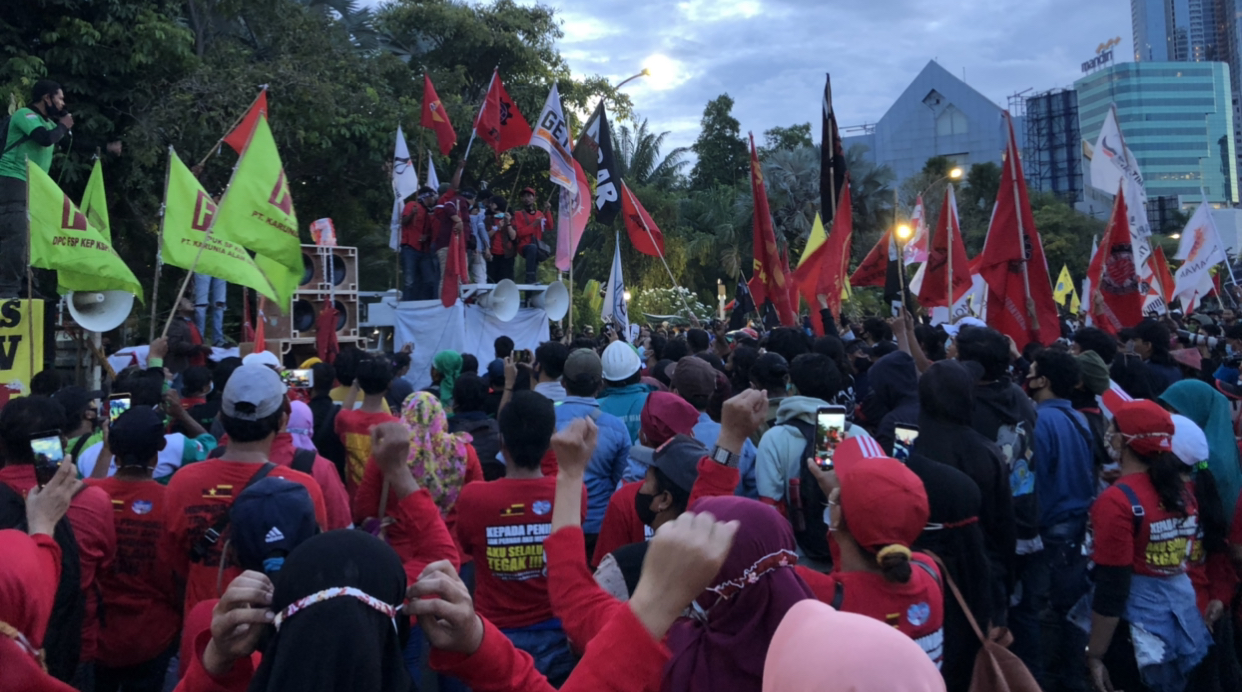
(196, 338)
(415, 232)
(335, 499)
(1165, 540)
(502, 525)
(450, 205)
(197, 496)
(916, 608)
(367, 500)
(621, 526)
(499, 232)
(90, 516)
(530, 226)
(19, 670)
(143, 613)
(354, 429)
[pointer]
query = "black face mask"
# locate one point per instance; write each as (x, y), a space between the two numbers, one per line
(642, 505)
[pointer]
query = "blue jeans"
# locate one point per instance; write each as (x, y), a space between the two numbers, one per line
(209, 293)
(1051, 581)
(419, 271)
(548, 645)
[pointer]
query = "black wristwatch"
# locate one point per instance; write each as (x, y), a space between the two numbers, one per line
(724, 457)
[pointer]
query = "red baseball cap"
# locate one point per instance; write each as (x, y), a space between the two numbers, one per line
(883, 502)
(1146, 427)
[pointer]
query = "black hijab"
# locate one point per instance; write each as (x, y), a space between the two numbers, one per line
(340, 644)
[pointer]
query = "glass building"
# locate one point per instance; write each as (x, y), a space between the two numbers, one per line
(1177, 118)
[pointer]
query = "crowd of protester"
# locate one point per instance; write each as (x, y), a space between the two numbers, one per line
(593, 514)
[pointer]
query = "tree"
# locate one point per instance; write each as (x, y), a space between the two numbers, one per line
(975, 203)
(792, 137)
(721, 150)
(639, 162)
(1066, 234)
(872, 198)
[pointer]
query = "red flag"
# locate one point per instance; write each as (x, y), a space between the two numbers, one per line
(791, 286)
(436, 119)
(454, 270)
(247, 325)
(768, 263)
(874, 267)
(260, 332)
(945, 239)
(1162, 273)
(241, 134)
(1020, 303)
(500, 124)
(326, 344)
(644, 234)
(823, 273)
(1116, 299)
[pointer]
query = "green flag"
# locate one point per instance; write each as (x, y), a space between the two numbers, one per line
(284, 280)
(95, 206)
(257, 209)
(62, 238)
(188, 213)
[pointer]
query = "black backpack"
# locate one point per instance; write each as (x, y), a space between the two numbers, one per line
(807, 500)
(62, 644)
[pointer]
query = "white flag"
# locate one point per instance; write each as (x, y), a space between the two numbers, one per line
(1113, 165)
(404, 184)
(433, 180)
(915, 249)
(1200, 249)
(1086, 282)
(614, 309)
(551, 134)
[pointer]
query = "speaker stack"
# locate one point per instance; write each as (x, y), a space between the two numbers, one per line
(328, 274)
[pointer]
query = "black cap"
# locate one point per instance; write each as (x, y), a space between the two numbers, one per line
(75, 400)
(136, 436)
(678, 459)
(269, 519)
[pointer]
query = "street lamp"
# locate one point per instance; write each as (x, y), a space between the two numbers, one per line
(626, 296)
(903, 232)
(645, 73)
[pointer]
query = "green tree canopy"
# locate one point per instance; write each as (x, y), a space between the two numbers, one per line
(721, 150)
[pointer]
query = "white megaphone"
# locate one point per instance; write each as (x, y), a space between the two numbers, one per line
(503, 300)
(554, 301)
(99, 311)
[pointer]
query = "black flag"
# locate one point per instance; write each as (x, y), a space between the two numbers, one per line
(832, 166)
(743, 306)
(594, 153)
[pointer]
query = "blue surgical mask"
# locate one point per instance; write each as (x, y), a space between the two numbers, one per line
(642, 353)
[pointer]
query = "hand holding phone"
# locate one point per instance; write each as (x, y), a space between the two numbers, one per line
(522, 357)
(829, 432)
(903, 441)
(117, 404)
(49, 451)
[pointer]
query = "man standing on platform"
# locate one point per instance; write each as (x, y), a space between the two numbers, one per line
(530, 225)
(418, 262)
(451, 216)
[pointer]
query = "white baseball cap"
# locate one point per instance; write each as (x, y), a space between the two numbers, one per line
(262, 358)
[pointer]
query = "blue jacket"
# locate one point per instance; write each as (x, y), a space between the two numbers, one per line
(1064, 463)
(627, 404)
(706, 431)
(612, 450)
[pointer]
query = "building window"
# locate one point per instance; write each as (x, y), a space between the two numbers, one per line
(951, 122)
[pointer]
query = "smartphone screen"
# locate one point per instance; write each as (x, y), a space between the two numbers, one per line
(903, 443)
(48, 453)
(299, 379)
(830, 431)
(117, 404)
(521, 356)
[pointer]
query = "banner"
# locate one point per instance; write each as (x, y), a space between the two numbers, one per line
(62, 238)
(571, 221)
(552, 135)
(256, 211)
(188, 213)
(1065, 286)
(614, 309)
(594, 153)
(404, 184)
(21, 337)
(945, 250)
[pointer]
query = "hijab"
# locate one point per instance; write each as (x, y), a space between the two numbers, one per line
(301, 425)
(817, 649)
(338, 644)
(437, 457)
(448, 364)
(723, 650)
(1209, 410)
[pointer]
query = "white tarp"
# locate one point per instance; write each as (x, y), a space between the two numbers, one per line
(462, 328)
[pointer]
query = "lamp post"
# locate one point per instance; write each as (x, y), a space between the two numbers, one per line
(645, 73)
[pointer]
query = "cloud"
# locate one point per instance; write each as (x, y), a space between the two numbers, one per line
(771, 55)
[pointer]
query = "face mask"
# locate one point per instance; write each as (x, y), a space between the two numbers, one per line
(642, 505)
(642, 353)
(1229, 349)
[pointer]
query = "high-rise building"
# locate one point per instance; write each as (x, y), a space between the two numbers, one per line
(1177, 118)
(1178, 30)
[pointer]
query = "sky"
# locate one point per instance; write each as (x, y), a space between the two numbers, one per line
(771, 55)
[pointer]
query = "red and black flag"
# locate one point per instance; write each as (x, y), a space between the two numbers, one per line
(594, 153)
(500, 124)
(832, 165)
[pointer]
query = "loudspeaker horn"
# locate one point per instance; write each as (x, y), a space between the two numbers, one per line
(503, 300)
(99, 311)
(554, 301)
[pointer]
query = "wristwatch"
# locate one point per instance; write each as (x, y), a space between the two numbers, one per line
(724, 457)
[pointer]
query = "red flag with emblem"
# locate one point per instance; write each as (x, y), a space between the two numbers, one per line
(769, 268)
(947, 238)
(1116, 299)
(434, 118)
(241, 134)
(500, 124)
(644, 234)
(874, 267)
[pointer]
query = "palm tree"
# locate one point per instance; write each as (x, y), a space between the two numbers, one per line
(792, 180)
(871, 195)
(718, 232)
(638, 159)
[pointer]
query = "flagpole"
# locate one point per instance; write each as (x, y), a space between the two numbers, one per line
(949, 246)
(215, 147)
(159, 249)
(30, 311)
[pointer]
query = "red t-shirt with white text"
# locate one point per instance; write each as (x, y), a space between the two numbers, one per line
(1165, 540)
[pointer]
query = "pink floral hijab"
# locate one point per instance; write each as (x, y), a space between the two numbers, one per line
(437, 457)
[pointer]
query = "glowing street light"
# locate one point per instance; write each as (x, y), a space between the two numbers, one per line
(956, 173)
(645, 73)
(903, 232)
(1176, 236)
(626, 295)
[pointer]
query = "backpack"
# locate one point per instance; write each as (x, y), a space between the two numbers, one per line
(201, 550)
(1017, 446)
(807, 500)
(62, 644)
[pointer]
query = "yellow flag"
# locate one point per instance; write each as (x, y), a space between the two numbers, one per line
(256, 211)
(284, 280)
(1065, 284)
(1075, 305)
(818, 237)
(95, 206)
(188, 211)
(62, 238)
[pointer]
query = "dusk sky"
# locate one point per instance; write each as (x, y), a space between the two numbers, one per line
(771, 55)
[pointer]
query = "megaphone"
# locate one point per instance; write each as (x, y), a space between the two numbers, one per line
(554, 301)
(99, 311)
(503, 300)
